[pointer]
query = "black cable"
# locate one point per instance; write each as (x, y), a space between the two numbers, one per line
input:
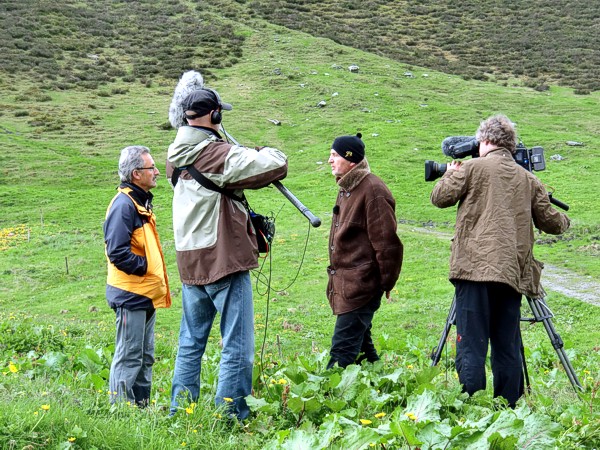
(264, 343)
(267, 292)
(268, 285)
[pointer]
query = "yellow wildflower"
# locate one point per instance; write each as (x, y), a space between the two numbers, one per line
(380, 415)
(72, 439)
(365, 422)
(228, 399)
(12, 367)
(411, 416)
(410, 366)
(45, 407)
(189, 410)
(282, 381)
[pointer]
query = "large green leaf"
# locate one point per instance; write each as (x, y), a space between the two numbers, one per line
(538, 433)
(350, 384)
(301, 440)
(434, 435)
(425, 407)
(54, 360)
(406, 430)
(358, 438)
(260, 404)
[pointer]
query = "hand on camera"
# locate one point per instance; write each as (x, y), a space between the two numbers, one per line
(453, 165)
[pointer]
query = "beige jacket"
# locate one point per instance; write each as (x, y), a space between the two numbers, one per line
(498, 204)
(213, 233)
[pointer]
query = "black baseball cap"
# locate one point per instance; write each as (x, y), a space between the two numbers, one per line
(203, 101)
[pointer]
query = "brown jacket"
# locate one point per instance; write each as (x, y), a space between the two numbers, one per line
(365, 253)
(213, 233)
(498, 204)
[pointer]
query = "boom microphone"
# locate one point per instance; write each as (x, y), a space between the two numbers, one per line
(190, 81)
(458, 147)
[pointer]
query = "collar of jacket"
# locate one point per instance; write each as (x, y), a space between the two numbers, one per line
(208, 131)
(500, 151)
(353, 178)
(139, 195)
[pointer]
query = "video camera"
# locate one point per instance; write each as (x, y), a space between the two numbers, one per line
(458, 147)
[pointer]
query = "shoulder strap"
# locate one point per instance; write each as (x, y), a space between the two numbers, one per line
(175, 175)
(208, 184)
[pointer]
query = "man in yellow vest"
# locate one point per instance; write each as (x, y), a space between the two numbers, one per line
(137, 281)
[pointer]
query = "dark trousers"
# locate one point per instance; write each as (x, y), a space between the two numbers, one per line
(489, 312)
(352, 336)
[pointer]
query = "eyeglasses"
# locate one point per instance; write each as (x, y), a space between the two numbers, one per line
(146, 168)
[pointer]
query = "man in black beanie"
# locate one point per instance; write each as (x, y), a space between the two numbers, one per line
(365, 253)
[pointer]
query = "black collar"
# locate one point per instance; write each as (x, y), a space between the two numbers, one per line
(209, 130)
(139, 195)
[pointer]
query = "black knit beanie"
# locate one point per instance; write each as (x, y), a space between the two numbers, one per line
(350, 148)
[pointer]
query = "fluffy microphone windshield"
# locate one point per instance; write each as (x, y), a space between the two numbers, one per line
(189, 81)
(449, 143)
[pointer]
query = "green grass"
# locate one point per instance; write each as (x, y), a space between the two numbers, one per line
(58, 174)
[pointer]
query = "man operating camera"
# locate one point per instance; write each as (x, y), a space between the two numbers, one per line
(492, 264)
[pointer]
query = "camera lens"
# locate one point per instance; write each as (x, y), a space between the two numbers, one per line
(434, 170)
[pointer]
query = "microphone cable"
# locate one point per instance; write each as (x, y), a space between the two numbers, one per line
(266, 281)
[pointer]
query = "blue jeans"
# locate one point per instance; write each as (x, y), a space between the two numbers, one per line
(131, 369)
(231, 296)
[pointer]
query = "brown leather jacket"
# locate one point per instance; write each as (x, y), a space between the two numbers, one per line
(498, 204)
(365, 253)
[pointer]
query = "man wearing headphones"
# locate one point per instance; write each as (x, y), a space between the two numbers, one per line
(215, 248)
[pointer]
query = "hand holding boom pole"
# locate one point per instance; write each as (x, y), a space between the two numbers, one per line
(314, 220)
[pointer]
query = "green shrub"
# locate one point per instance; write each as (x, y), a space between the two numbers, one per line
(23, 335)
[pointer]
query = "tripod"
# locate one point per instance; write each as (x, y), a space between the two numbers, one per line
(541, 313)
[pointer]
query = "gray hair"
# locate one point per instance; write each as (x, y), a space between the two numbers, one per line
(498, 130)
(131, 159)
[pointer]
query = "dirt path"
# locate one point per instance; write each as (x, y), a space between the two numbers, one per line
(557, 279)
(571, 284)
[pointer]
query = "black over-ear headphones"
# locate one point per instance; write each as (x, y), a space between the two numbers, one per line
(216, 117)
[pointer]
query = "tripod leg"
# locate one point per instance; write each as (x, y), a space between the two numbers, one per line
(542, 313)
(525, 372)
(450, 320)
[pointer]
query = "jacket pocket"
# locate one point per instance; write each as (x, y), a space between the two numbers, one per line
(359, 282)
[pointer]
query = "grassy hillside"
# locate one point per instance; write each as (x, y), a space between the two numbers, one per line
(86, 44)
(540, 42)
(58, 173)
